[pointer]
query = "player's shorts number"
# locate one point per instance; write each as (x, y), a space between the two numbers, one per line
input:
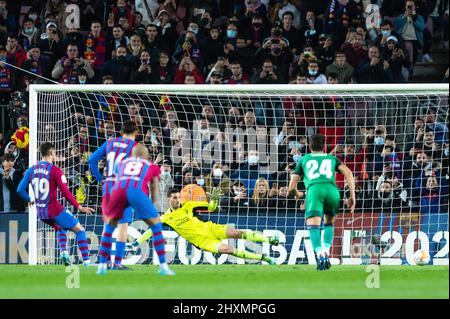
(324, 169)
(133, 168)
(41, 188)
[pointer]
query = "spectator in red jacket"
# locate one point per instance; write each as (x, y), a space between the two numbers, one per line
(353, 49)
(14, 50)
(188, 67)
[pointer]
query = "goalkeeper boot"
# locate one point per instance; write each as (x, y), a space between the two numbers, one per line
(269, 260)
(65, 258)
(274, 240)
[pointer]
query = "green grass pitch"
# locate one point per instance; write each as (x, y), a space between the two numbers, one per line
(226, 281)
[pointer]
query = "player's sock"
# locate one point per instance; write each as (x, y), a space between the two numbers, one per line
(61, 235)
(83, 244)
(159, 243)
(120, 251)
(328, 235)
(314, 235)
(144, 237)
(247, 255)
(105, 243)
(254, 237)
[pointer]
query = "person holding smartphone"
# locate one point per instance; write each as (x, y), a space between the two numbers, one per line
(411, 26)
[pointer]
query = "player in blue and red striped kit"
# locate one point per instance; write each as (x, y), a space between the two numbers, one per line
(46, 178)
(131, 189)
(115, 150)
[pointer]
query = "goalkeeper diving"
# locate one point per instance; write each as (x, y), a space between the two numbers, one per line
(185, 220)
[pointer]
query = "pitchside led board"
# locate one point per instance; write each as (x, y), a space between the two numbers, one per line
(383, 238)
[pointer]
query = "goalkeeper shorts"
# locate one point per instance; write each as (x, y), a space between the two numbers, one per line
(212, 237)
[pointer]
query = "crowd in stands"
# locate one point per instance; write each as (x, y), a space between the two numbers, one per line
(232, 42)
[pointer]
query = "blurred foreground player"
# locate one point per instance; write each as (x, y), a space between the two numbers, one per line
(322, 195)
(131, 189)
(46, 178)
(115, 150)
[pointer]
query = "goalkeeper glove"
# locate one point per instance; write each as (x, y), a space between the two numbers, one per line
(215, 196)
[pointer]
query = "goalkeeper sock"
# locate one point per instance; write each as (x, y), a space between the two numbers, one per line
(314, 235)
(83, 244)
(247, 255)
(61, 235)
(144, 237)
(105, 243)
(328, 235)
(159, 243)
(254, 237)
(120, 251)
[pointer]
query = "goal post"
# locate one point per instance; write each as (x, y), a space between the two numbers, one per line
(253, 135)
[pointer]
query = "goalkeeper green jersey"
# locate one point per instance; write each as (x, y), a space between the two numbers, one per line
(317, 168)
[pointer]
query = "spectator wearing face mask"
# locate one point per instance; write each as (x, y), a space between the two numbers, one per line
(218, 178)
(257, 31)
(10, 179)
(278, 52)
(250, 169)
(29, 35)
(237, 199)
(314, 75)
(231, 33)
(387, 30)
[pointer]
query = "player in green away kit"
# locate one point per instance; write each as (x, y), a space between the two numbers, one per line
(322, 195)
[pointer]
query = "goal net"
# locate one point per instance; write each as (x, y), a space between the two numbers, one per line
(246, 140)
